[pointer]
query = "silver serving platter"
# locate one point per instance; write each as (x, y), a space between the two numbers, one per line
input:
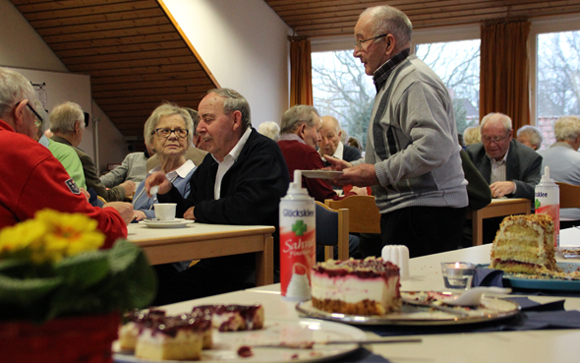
(491, 308)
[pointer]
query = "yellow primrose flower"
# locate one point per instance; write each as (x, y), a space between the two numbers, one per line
(69, 234)
(21, 236)
(51, 236)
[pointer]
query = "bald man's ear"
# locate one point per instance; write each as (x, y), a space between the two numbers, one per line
(237, 118)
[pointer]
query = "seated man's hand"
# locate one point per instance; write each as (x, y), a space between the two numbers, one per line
(139, 215)
(85, 193)
(337, 164)
(129, 187)
(157, 179)
(359, 191)
(502, 188)
(189, 214)
(124, 209)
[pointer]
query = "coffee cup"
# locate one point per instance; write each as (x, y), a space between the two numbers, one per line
(165, 211)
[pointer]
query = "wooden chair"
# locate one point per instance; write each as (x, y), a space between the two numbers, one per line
(569, 195)
(364, 216)
(332, 230)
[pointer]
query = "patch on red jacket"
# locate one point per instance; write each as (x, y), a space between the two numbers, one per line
(70, 183)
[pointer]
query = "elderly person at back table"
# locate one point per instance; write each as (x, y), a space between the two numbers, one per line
(472, 135)
(270, 129)
(564, 161)
(33, 179)
(169, 132)
(330, 144)
(67, 122)
(133, 168)
(530, 136)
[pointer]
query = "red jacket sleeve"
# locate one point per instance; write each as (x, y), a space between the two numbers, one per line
(44, 183)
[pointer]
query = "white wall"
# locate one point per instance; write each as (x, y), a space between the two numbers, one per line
(22, 47)
(245, 45)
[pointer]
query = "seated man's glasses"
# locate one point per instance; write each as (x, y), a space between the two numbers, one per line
(488, 139)
(164, 133)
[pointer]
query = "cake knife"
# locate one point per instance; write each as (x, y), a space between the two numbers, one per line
(310, 344)
(446, 309)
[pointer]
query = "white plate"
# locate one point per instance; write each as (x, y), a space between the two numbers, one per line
(276, 331)
(174, 223)
(321, 174)
(492, 308)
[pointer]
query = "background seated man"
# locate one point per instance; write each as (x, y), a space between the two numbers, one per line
(133, 168)
(564, 161)
(299, 133)
(67, 123)
(530, 136)
(33, 178)
(511, 169)
(330, 144)
(240, 182)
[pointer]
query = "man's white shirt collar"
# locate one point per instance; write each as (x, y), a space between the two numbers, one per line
(228, 161)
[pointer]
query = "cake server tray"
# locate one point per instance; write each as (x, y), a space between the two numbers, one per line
(520, 281)
(492, 308)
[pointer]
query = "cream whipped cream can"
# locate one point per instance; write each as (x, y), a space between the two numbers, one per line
(547, 201)
(297, 241)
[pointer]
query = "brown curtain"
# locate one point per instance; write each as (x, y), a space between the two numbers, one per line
(300, 72)
(505, 70)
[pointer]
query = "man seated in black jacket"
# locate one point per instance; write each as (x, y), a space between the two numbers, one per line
(240, 182)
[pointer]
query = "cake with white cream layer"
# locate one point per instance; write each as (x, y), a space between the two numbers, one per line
(356, 287)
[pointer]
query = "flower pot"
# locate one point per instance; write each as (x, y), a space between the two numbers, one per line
(69, 339)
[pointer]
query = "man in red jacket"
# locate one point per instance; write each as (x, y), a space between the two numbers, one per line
(31, 179)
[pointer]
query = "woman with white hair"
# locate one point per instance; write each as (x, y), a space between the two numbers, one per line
(530, 136)
(270, 129)
(169, 132)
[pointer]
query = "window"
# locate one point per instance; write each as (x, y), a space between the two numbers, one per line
(343, 90)
(558, 80)
(457, 64)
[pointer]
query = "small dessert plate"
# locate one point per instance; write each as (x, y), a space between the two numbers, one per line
(160, 223)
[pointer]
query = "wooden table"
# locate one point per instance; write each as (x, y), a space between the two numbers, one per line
(198, 241)
(497, 208)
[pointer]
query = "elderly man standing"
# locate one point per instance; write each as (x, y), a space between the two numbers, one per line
(330, 143)
(412, 156)
(33, 179)
(68, 126)
(240, 181)
(564, 161)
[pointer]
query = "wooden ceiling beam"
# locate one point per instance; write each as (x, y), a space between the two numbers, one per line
(117, 33)
(184, 75)
(103, 26)
(119, 49)
(120, 58)
(60, 20)
(157, 85)
(152, 91)
(117, 41)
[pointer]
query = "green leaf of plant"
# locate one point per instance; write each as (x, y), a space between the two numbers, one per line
(84, 270)
(134, 276)
(26, 292)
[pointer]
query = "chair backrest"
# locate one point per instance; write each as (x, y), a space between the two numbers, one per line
(364, 216)
(332, 230)
(569, 195)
